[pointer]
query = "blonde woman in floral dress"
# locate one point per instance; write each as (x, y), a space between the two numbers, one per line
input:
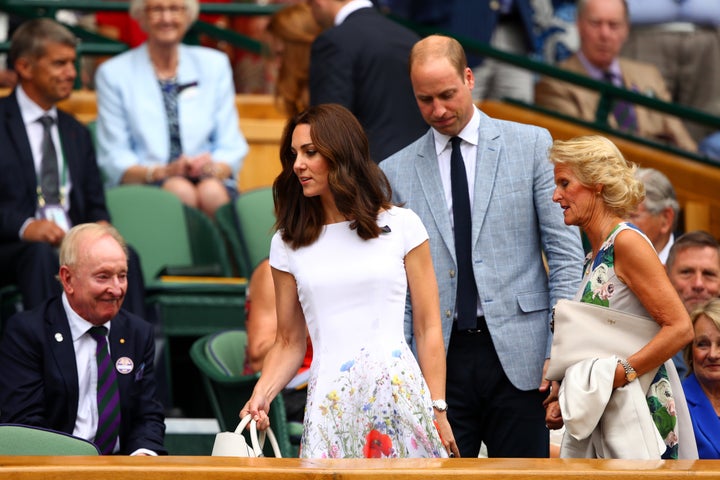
(596, 188)
(343, 260)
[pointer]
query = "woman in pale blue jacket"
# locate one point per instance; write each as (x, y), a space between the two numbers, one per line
(166, 111)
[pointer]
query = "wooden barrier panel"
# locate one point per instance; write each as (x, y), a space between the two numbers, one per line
(696, 184)
(223, 468)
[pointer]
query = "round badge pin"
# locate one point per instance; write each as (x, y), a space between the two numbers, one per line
(124, 365)
(58, 337)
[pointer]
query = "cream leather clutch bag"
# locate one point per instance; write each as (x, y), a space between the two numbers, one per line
(583, 330)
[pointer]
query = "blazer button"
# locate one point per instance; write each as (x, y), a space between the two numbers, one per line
(448, 313)
(494, 5)
(452, 273)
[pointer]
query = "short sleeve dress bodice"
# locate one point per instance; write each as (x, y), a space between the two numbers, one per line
(366, 393)
(602, 286)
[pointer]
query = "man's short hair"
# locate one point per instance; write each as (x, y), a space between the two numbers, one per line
(659, 193)
(30, 39)
(694, 239)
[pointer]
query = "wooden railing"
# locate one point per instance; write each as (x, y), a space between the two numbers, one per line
(223, 468)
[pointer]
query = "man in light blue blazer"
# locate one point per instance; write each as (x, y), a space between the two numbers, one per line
(495, 381)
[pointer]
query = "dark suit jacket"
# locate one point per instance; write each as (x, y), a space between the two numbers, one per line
(362, 64)
(705, 422)
(39, 382)
(18, 182)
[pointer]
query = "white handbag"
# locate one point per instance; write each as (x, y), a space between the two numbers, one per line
(583, 330)
(233, 444)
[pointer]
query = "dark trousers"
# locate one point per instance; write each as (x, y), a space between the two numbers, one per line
(483, 406)
(33, 267)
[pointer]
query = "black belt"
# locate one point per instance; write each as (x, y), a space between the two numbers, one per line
(480, 327)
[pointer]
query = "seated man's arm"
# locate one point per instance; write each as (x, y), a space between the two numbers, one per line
(22, 382)
(147, 425)
(556, 96)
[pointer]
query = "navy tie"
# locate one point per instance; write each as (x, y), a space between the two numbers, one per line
(108, 397)
(466, 302)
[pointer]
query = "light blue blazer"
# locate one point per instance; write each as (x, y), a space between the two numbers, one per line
(705, 422)
(132, 127)
(514, 221)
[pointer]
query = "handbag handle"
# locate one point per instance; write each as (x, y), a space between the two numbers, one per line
(258, 444)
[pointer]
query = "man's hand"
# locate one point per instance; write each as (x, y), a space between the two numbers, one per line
(553, 416)
(44, 231)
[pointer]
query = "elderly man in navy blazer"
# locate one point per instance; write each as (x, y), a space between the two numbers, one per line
(57, 373)
(33, 219)
(495, 292)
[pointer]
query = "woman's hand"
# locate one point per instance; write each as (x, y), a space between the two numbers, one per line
(200, 166)
(177, 168)
(258, 407)
(446, 434)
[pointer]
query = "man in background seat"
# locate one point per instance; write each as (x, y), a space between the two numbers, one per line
(603, 27)
(37, 206)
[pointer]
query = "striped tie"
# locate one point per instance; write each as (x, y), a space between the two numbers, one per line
(623, 111)
(108, 397)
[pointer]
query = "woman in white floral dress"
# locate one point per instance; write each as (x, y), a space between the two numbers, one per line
(596, 188)
(343, 260)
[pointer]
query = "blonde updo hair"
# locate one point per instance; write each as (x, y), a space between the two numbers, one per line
(595, 160)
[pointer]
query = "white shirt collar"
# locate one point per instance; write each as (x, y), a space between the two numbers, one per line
(30, 110)
(663, 254)
(78, 325)
(468, 134)
(597, 73)
(350, 8)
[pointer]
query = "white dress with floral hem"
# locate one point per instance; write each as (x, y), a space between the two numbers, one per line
(366, 393)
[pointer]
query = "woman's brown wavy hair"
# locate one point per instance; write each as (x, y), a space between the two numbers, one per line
(359, 187)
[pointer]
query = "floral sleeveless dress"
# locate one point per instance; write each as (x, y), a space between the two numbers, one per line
(601, 286)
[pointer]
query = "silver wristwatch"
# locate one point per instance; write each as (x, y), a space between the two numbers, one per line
(630, 373)
(440, 405)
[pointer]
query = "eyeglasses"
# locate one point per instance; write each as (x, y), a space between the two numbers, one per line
(156, 11)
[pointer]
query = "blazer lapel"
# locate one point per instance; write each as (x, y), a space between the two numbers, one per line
(121, 349)
(428, 172)
(59, 337)
(69, 151)
(488, 158)
(18, 136)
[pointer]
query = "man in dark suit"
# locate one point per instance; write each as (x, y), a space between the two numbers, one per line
(50, 375)
(361, 62)
(33, 215)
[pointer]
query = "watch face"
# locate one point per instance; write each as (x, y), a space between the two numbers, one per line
(440, 405)
(630, 376)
